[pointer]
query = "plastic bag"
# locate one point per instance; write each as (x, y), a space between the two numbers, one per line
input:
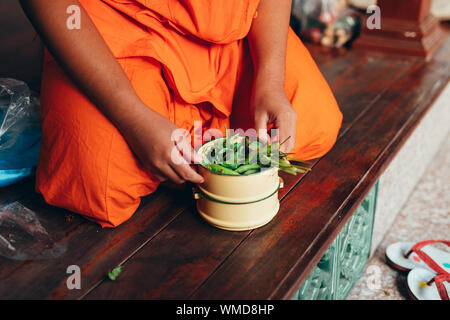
(20, 131)
(328, 22)
(22, 236)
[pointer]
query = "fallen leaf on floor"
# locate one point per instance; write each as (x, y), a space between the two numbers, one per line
(113, 274)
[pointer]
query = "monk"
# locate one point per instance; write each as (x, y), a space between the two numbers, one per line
(116, 87)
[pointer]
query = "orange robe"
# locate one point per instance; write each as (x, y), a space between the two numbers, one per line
(187, 60)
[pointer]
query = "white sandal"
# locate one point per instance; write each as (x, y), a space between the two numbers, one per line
(424, 284)
(406, 256)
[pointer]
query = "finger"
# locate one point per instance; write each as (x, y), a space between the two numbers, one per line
(157, 174)
(184, 170)
(289, 138)
(287, 129)
(261, 127)
(172, 175)
(188, 153)
(160, 177)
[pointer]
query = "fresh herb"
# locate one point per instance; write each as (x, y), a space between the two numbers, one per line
(238, 155)
(113, 274)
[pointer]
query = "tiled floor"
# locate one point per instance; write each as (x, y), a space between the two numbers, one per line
(426, 215)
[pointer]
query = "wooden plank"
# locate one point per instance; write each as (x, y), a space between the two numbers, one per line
(323, 55)
(191, 256)
(178, 261)
(274, 260)
(95, 250)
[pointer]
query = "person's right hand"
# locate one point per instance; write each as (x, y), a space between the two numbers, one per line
(150, 137)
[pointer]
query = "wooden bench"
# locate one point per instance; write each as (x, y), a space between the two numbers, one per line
(306, 252)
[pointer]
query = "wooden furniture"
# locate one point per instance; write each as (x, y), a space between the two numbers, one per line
(407, 27)
(169, 252)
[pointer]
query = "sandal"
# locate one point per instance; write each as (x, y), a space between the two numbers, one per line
(424, 284)
(406, 256)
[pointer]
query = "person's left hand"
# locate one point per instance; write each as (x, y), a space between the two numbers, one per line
(272, 107)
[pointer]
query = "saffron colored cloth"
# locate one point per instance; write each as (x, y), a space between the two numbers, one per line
(188, 61)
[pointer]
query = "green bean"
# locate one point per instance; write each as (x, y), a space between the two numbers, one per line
(247, 167)
(217, 168)
(300, 161)
(301, 168)
(230, 161)
(265, 161)
(238, 155)
(254, 145)
(230, 166)
(284, 163)
(246, 173)
(289, 170)
(253, 156)
(113, 274)
(285, 141)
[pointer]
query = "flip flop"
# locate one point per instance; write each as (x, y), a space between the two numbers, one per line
(424, 284)
(405, 256)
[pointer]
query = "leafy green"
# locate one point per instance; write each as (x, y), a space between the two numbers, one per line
(113, 274)
(239, 155)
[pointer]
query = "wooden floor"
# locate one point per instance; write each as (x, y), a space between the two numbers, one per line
(169, 252)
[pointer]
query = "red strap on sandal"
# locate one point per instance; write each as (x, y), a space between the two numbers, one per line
(417, 248)
(440, 279)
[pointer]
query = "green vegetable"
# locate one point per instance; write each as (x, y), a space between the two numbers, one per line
(248, 167)
(296, 160)
(292, 171)
(301, 168)
(217, 168)
(239, 155)
(113, 274)
(284, 163)
(246, 173)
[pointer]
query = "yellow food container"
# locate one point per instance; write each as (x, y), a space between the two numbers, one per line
(238, 203)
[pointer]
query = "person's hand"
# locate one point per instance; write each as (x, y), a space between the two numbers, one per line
(150, 137)
(272, 107)
(108, 87)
